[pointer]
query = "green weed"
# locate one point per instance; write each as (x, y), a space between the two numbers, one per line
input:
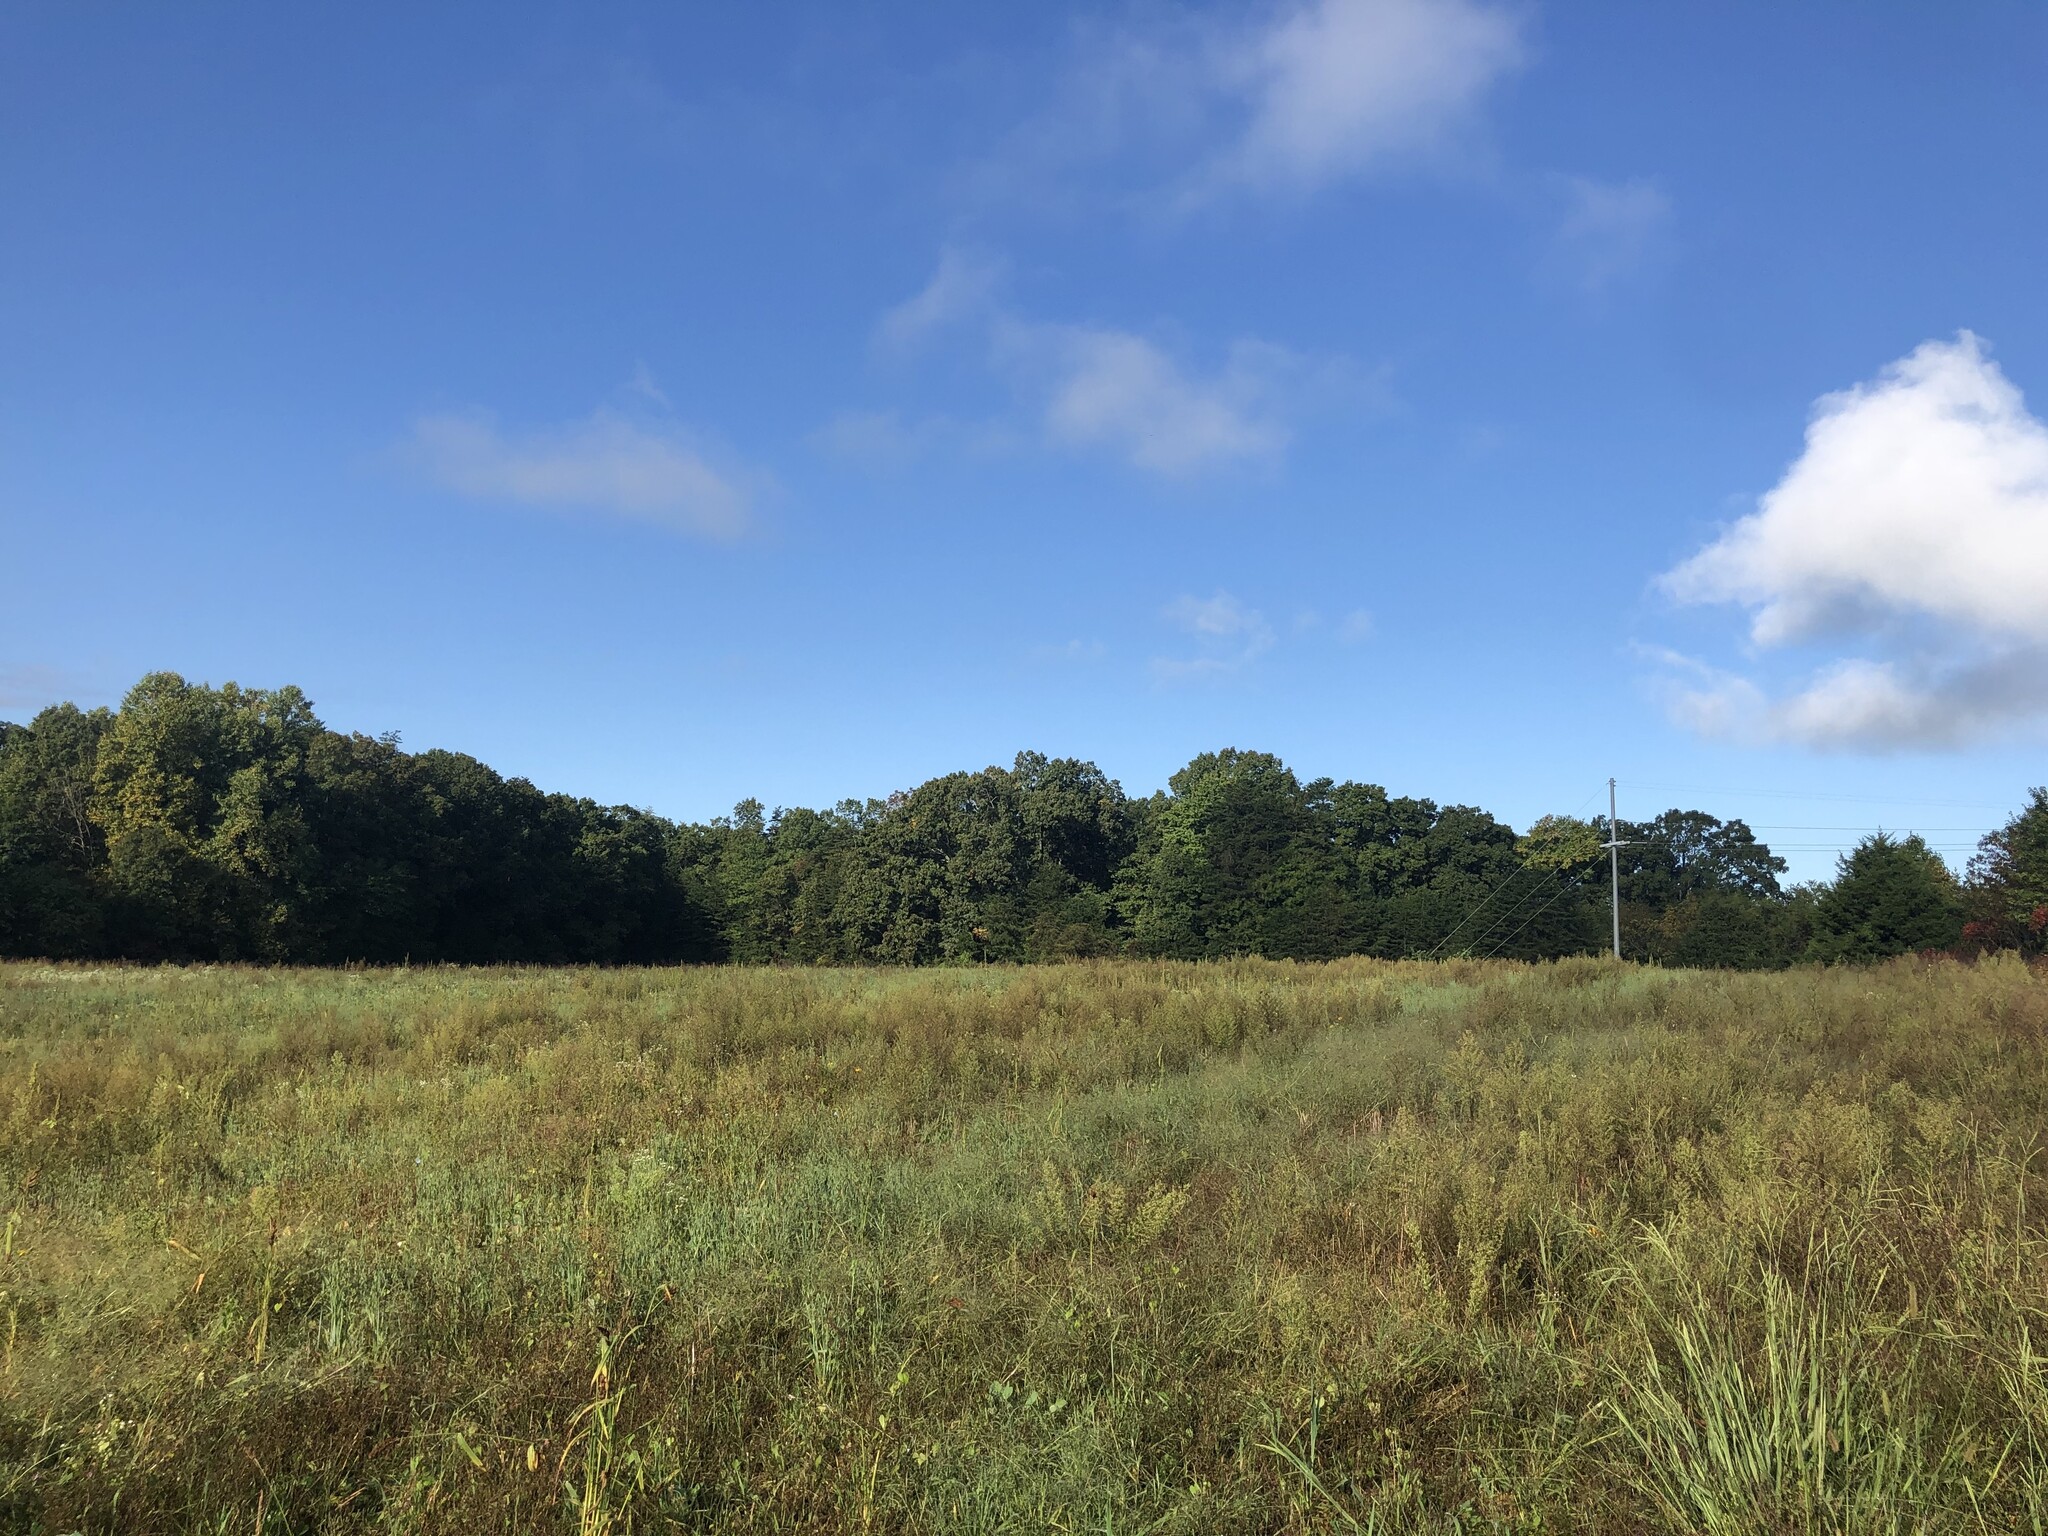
(1105, 1247)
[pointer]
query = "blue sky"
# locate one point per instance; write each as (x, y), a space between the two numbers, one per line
(673, 404)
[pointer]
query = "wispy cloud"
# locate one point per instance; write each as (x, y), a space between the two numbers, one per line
(1100, 388)
(1609, 229)
(1916, 521)
(1333, 88)
(1120, 391)
(1076, 652)
(961, 288)
(1355, 627)
(877, 440)
(1289, 100)
(643, 385)
(889, 441)
(608, 463)
(1227, 636)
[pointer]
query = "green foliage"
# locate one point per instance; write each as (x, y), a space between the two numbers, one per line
(1714, 929)
(1696, 891)
(1890, 897)
(196, 793)
(50, 843)
(1689, 853)
(1562, 842)
(1226, 866)
(1243, 858)
(1125, 1245)
(2008, 893)
(200, 823)
(227, 824)
(1798, 1426)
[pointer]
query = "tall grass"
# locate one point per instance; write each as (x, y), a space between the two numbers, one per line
(1107, 1247)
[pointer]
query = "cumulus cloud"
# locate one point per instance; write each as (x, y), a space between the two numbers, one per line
(1861, 704)
(1925, 491)
(1916, 520)
(1227, 634)
(608, 464)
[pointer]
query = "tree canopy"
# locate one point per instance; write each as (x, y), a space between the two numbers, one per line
(2008, 899)
(1890, 896)
(201, 823)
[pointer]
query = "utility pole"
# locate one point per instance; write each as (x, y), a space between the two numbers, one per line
(1613, 846)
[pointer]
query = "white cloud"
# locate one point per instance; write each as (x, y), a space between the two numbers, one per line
(1858, 704)
(1222, 617)
(1924, 492)
(1073, 652)
(1333, 87)
(1113, 389)
(1228, 636)
(1097, 387)
(1610, 228)
(880, 440)
(1917, 519)
(608, 464)
(1296, 96)
(961, 288)
(1707, 700)
(1356, 626)
(888, 441)
(643, 384)
(1863, 702)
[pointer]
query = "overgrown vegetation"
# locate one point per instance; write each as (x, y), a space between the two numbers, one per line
(1114, 1246)
(214, 824)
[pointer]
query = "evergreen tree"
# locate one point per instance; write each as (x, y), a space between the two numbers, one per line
(1891, 896)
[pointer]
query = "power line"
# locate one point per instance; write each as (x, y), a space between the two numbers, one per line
(1484, 902)
(1519, 904)
(1651, 842)
(1543, 879)
(1503, 944)
(1662, 842)
(1846, 847)
(1614, 846)
(1796, 794)
(1487, 900)
(1785, 826)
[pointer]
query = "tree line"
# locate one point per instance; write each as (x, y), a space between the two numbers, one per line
(228, 824)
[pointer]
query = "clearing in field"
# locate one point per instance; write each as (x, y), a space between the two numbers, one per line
(1105, 1247)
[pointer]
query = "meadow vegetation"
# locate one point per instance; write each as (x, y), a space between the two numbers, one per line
(1114, 1246)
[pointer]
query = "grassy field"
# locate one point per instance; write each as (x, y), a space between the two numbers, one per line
(1109, 1248)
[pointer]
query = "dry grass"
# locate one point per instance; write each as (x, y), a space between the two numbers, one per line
(1109, 1247)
